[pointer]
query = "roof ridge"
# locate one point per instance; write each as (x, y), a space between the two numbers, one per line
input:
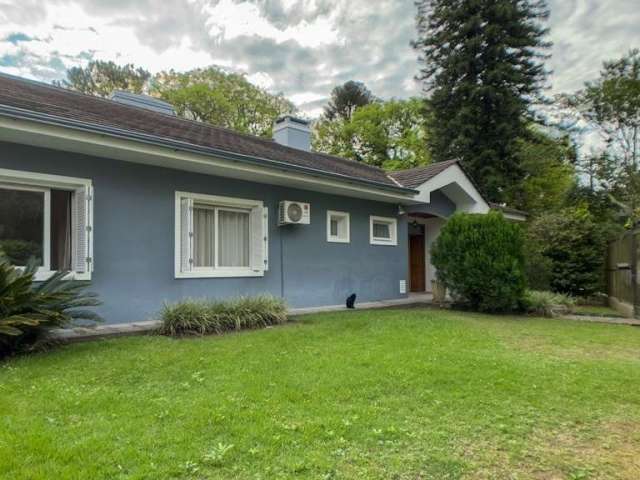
(424, 167)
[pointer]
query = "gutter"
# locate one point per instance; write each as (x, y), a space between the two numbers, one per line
(177, 145)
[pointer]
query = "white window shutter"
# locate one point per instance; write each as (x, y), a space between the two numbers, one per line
(265, 236)
(186, 234)
(257, 239)
(82, 243)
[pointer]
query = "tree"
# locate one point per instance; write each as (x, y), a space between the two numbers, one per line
(222, 99)
(391, 135)
(548, 164)
(612, 103)
(571, 244)
(101, 78)
(345, 99)
(483, 67)
(480, 259)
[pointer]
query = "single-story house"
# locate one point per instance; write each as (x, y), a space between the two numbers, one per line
(150, 207)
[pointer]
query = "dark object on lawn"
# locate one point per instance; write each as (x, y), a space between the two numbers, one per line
(351, 301)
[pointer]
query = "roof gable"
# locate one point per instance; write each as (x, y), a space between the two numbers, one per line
(450, 178)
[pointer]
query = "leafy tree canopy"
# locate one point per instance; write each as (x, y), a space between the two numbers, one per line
(572, 244)
(101, 78)
(548, 164)
(346, 98)
(221, 98)
(482, 66)
(391, 135)
(612, 103)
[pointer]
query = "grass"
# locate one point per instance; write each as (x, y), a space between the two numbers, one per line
(386, 394)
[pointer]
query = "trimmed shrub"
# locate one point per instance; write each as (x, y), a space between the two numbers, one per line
(572, 247)
(480, 260)
(29, 311)
(203, 316)
(548, 304)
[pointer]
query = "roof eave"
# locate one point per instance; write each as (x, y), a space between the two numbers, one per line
(23, 114)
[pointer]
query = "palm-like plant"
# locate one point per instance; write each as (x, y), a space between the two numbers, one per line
(28, 310)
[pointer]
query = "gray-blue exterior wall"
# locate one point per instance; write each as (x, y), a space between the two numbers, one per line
(134, 221)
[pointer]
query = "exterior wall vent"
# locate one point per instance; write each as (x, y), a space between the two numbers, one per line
(143, 101)
(292, 132)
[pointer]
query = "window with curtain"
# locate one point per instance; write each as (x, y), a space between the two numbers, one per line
(220, 236)
(46, 218)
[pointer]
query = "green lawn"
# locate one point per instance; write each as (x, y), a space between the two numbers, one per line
(387, 394)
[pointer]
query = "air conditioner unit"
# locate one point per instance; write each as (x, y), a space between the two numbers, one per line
(294, 213)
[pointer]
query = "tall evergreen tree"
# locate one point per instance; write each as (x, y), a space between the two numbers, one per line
(483, 64)
(346, 98)
(101, 78)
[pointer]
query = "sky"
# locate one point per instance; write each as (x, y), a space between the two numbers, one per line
(302, 48)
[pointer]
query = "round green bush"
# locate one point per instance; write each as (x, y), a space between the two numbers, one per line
(480, 259)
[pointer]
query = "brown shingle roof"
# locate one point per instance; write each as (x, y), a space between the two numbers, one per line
(415, 177)
(71, 106)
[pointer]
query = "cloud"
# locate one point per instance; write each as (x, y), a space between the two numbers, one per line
(586, 33)
(302, 48)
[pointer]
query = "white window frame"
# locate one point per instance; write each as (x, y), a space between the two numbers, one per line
(393, 231)
(331, 214)
(40, 182)
(219, 203)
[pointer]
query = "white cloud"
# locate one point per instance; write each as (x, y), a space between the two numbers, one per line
(306, 97)
(261, 79)
(302, 48)
(229, 20)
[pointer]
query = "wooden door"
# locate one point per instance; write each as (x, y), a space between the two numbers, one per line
(416, 263)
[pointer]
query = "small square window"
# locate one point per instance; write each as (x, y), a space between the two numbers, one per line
(338, 228)
(383, 230)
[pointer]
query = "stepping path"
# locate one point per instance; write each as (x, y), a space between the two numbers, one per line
(598, 319)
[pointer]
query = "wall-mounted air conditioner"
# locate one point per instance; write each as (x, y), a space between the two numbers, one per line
(294, 213)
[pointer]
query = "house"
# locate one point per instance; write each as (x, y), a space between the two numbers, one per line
(150, 207)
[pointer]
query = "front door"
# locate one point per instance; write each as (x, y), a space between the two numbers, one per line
(416, 263)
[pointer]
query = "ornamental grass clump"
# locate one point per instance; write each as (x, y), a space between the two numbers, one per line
(29, 310)
(548, 304)
(204, 316)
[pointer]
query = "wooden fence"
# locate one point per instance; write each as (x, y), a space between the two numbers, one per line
(622, 269)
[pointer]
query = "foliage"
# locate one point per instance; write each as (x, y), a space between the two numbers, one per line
(391, 135)
(200, 317)
(101, 78)
(19, 252)
(548, 304)
(404, 392)
(549, 172)
(222, 99)
(345, 99)
(480, 260)
(613, 104)
(482, 66)
(29, 311)
(574, 245)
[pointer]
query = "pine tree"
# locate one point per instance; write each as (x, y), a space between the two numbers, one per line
(483, 65)
(346, 98)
